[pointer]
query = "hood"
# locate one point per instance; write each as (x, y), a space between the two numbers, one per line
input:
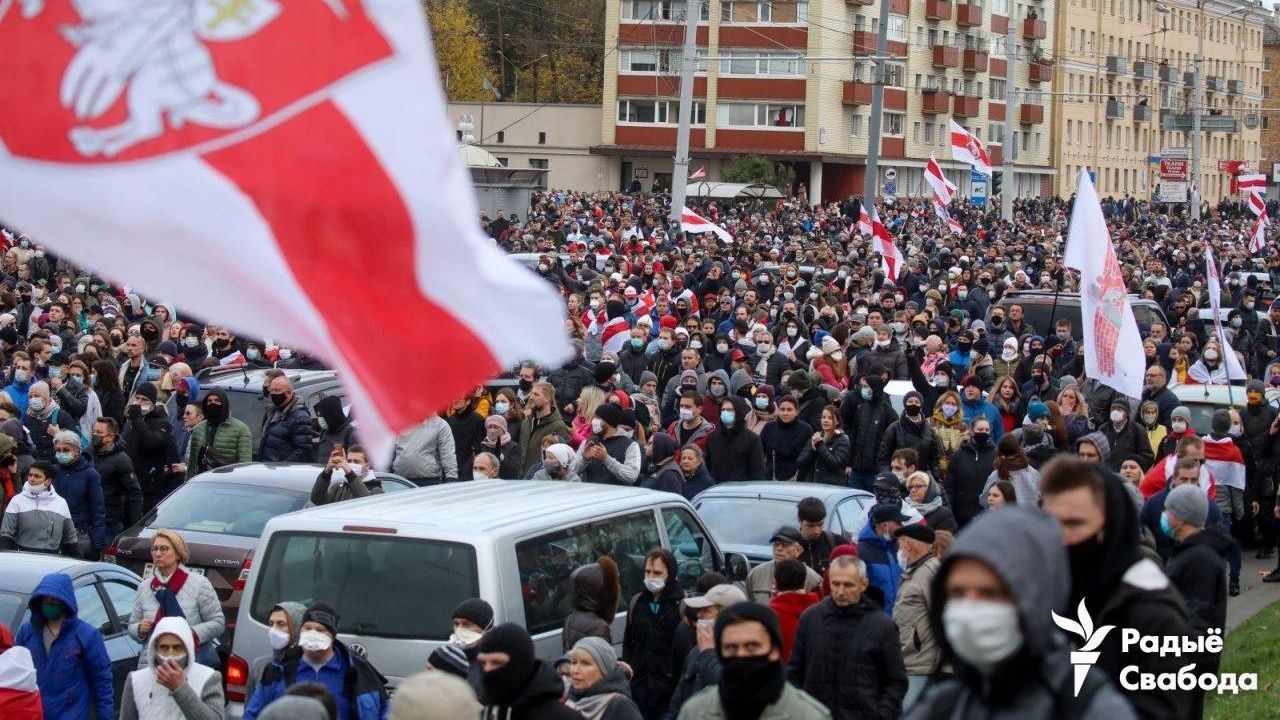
(1119, 549)
(1212, 538)
(720, 373)
(1099, 441)
(218, 393)
(740, 407)
(171, 625)
(330, 408)
(877, 386)
(544, 683)
(54, 585)
(1024, 547)
(295, 611)
(664, 447)
(739, 380)
(595, 588)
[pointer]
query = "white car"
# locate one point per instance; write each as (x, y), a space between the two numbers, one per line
(1203, 400)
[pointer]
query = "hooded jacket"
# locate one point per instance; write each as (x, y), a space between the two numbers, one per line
(79, 484)
(74, 674)
(881, 556)
(147, 440)
(735, 453)
(783, 444)
(337, 428)
(825, 462)
(229, 441)
(39, 523)
(865, 421)
(363, 687)
(667, 477)
(121, 492)
(596, 590)
(199, 698)
(259, 665)
(647, 645)
(1023, 547)
(1198, 570)
(967, 474)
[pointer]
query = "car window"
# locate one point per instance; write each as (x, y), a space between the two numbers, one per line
(11, 604)
(120, 595)
(224, 508)
(393, 484)
(689, 544)
(745, 521)
(850, 516)
(545, 563)
(389, 587)
(90, 609)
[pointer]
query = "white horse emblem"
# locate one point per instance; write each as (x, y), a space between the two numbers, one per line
(154, 50)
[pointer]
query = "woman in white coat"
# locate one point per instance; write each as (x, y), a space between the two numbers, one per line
(173, 591)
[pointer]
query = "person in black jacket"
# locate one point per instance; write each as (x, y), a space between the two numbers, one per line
(784, 438)
(146, 439)
(1199, 562)
(816, 541)
(846, 652)
(826, 454)
(866, 417)
(335, 427)
(286, 426)
(121, 492)
(733, 451)
(911, 431)
(522, 688)
(1126, 437)
(968, 471)
(653, 616)
(663, 457)
(467, 426)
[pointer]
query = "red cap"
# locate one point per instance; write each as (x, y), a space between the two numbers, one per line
(667, 321)
(737, 355)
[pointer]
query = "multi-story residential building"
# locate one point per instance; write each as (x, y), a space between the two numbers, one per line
(1270, 92)
(791, 80)
(1123, 86)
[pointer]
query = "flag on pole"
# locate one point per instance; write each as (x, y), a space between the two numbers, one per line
(692, 222)
(943, 188)
(941, 211)
(1230, 363)
(137, 166)
(701, 172)
(1259, 237)
(1255, 182)
(1257, 204)
(890, 255)
(1112, 345)
(864, 222)
(966, 147)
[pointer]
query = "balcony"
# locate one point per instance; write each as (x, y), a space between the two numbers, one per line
(1040, 72)
(1030, 114)
(1144, 70)
(965, 106)
(1034, 29)
(975, 61)
(860, 2)
(945, 56)
(968, 15)
(1168, 74)
(1142, 113)
(856, 93)
(936, 102)
(1189, 79)
(1215, 83)
(864, 42)
(999, 24)
(937, 10)
(1117, 65)
(1115, 109)
(1235, 87)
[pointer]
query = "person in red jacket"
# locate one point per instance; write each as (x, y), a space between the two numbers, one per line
(1158, 477)
(790, 600)
(19, 695)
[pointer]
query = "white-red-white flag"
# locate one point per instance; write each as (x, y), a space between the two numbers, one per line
(890, 255)
(615, 335)
(943, 188)
(1112, 344)
(1258, 238)
(1254, 182)
(1224, 459)
(692, 222)
(966, 147)
(644, 304)
(301, 200)
(1257, 204)
(941, 211)
(701, 172)
(864, 222)
(1213, 281)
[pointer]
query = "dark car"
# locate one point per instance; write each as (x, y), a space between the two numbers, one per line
(1039, 311)
(248, 399)
(104, 597)
(221, 514)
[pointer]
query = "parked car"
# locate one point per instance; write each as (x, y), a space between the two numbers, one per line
(395, 567)
(743, 515)
(1039, 311)
(248, 399)
(220, 514)
(104, 597)
(1203, 400)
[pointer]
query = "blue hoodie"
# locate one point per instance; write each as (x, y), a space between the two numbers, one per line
(74, 676)
(881, 556)
(17, 392)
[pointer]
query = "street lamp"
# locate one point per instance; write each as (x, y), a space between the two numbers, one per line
(466, 129)
(515, 90)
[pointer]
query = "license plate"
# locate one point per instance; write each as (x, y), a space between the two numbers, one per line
(149, 570)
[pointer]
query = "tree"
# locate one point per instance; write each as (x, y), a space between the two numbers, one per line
(461, 50)
(759, 169)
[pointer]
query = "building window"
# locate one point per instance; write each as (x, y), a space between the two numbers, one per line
(995, 133)
(857, 125)
(893, 124)
(501, 161)
(646, 61)
(760, 115)
(895, 75)
(502, 137)
(1000, 7)
(756, 62)
(897, 28)
(928, 133)
(541, 164)
(778, 12)
(658, 112)
(542, 138)
(659, 10)
(915, 132)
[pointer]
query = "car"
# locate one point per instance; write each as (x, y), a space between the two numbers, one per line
(248, 398)
(104, 598)
(1203, 400)
(1039, 311)
(221, 514)
(743, 515)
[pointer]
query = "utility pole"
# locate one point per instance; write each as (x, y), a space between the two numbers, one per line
(1009, 154)
(689, 63)
(877, 110)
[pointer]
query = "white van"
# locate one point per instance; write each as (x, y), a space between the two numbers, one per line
(395, 566)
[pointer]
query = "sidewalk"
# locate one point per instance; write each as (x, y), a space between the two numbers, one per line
(1255, 594)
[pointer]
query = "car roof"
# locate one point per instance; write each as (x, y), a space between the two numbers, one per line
(481, 506)
(1065, 297)
(22, 571)
(784, 490)
(249, 379)
(286, 475)
(1224, 395)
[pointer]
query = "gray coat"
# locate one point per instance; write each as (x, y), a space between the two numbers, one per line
(42, 523)
(426, 451)
(199, 605)
(795, 704)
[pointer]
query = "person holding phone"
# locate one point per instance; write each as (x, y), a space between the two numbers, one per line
(173, 685)
(354, 479)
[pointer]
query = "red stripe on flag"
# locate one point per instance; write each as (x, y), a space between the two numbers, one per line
(299, 176)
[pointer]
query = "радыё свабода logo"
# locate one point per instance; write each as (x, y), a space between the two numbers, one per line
(1087, 655)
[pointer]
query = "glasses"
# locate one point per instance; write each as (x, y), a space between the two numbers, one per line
(157, 549)
(917, 487)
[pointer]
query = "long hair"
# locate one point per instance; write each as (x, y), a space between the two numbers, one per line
(1009, 457)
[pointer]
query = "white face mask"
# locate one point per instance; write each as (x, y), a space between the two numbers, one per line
(34, 490)
(1008, 355)
(315, 640)
(1236, 431)
(837, 356)
(597, 425)
(1117, 416)
(356, 468)
(982, 632)
(902, 558)
(654, 584)
(1210, 355)
(179, 659)
(882, 343)
(686, 414)
(279, 638)
(478, 475)
(1178, 426)
(465, 637)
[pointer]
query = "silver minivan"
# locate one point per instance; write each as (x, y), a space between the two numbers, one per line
(395, 566)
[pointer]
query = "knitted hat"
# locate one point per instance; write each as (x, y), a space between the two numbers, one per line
(146, 390)
(798, 380)
(605, 371)
(1255, 386)
(830, 345)
(1037, 410)
(689, 375)
(667, 321)
(474, 610)
(610, 413)
(1181, 412)
(434, 696)
(601, 653)
(324, 614)
(451, 659)
(1189, 503)
(647, 376)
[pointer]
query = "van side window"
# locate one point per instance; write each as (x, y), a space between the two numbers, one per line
(545, 563)
(689, 543)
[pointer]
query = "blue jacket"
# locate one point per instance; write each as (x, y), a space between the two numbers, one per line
(74, 676)
(1153, 508)
(982, 408)
(80, 485)
(357, 688)
(17, 392)
(286, 436)
(883, 571)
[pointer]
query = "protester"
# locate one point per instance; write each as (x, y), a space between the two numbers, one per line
(878, 551)
(173, 591)
(594, 592)
(76, 480)
(597, 684)
(284, 624)
(790, 600)
(911, 611)
(357, 479)
(701, 666)
(511, 682)
(816, 542)
(788, 544)
(38, 519)
(653, 616)
(73, 670)
(286, 426)
(172, 684)
(425, 455)
(221, 439)
(19, 689)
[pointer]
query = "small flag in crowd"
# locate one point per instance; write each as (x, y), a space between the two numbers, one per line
(943, 188)
(1257, 204)
(864, 222)
(701, 172)
(692, 222)
(966, 147)
(1259, 237)
(1230, 363)
(890, 255)
(1256, 182)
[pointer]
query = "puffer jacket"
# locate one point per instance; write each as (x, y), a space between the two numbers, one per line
(1128, 440)
(866, 421)
(826, 461)
(911, 614)
(883, 571)
(595, 590)
(903, 433)
(199, 603)
(286, 434)
(849, 659)
(735, 453)
(232, 443)
(967, 476)
(74, 674)
(647, 646)
(121, 493)
(79, 484)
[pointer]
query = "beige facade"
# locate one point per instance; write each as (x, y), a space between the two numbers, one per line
(1271, 91)
(1121, 65)
(556, 137)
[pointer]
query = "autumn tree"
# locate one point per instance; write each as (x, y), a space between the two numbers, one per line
(462, 50)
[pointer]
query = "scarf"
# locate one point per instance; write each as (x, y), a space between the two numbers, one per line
(932, 499)
(166, 593)
(593, 707)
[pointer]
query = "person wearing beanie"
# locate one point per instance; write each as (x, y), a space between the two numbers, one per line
(1125, 436)
(146, 437)
(471, 620)
(598, 686)
(284, 624)
(609, 455)
(358, 690)
(434, 696)
(511, 683)
(911, 608)
(450, 659)
(295, 707)
(1256, 418)
(1179, 427)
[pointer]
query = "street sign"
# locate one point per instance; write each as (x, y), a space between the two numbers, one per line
(890, 174)
(890, 189)
(978, 183)
(1208, 123)
(1173, 175)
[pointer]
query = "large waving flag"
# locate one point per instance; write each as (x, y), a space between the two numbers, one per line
(1254, 182)
(1224, 459)
(1230, 362)
(1256, 204)
(1258, 238)
(1112, 345)
(864, 222)
(966, 147)
(943, 188)
(297, 200)
(692, 222)
(890, 256)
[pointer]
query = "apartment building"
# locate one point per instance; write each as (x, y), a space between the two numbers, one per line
(1123, 86)
(1270, 132)
(791, 80)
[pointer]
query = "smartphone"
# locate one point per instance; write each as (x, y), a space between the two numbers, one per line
(339, 449)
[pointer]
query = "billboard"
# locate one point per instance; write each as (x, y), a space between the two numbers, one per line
(1173, 175)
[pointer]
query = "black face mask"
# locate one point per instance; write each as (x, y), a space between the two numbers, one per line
(981, 439)
(526, 385)
(1084, 558)
(216, 413)
(964, 346)
(748, 685)
(279, 399)
(913, 412)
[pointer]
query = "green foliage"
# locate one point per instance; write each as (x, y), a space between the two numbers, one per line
(759, 169)
(1252, 647)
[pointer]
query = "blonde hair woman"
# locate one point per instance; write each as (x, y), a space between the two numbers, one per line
(589, 400)
(174, 591)
(1074, 414)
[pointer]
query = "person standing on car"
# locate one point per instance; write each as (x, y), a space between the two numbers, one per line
(424, 455)
(173, 685)
(73, 669)
(219, 439)
(653, 615)
(146, 439)
(356, 479)
(172, 590)
(121, 493)
(286, 427)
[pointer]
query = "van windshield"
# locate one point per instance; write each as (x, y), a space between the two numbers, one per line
(381, 586)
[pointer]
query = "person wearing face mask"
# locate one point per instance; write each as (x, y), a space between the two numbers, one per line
(911, 612)
(1198, 565)
(334, 426)
(733, 452)
(147, 437)
(73, 669)
(498, 442)
(19, 388)
(43, 420)
(219, 439)
(653, 615)
(989, 610)
(355, 478)
(286, 426)
(471, 619)
(173, 686)
(556, 464)
(1179, 427)
(968, 470)
(1256, 419)
(357, 688)
(610, 454)
(747, 641)
(1210, 369)
(37, 519)
(512, 683)
(717, 389)
(1109, 573)
(284, 623)
(1125, 437)
(866, 413)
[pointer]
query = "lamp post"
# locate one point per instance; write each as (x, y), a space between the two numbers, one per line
(515, 89)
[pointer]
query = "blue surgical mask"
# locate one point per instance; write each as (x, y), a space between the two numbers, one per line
(1165, 527)
(866, 393)
(252, 354)
(637, 343)
(501, 408)
(762, 402)
(65, 458)
(726, 417)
